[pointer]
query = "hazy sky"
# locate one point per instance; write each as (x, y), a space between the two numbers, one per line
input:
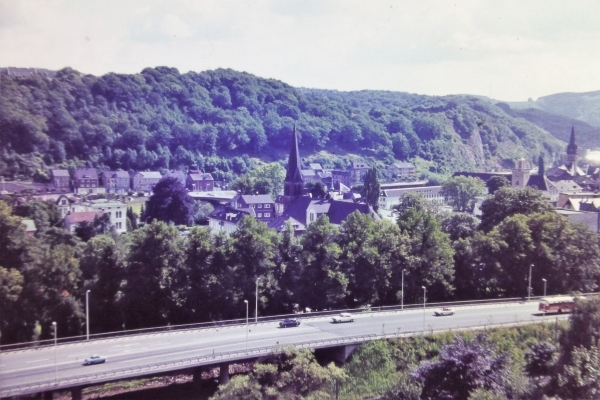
(508, 50)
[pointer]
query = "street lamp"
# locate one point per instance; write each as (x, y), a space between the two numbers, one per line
(403, 289)
(424, 301)
(246, 301)
(529, 287)
(256, 309)
(87, 315)
(544, 279)
(55, 366)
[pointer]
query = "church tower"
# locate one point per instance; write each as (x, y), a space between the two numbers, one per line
(294, 183)
(572, 151)
(521, 174)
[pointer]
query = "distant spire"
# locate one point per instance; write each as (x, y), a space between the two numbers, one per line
(572, 147)
(294, 173)
(293, 186)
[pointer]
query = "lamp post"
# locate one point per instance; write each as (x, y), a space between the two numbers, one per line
(424, 302)
(87, 315)
(544, 279)
(402, 290)
(529, 287)
(55, 366)
(256, 306)
(246, 301)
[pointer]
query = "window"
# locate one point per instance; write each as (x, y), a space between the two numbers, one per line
(118, 225)
(267, 215)
(312, 217)
(259, 215)
(267, 206)
(119, 214)
(260, 206)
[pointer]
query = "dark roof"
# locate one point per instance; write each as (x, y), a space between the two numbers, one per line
(340, 210)
(257, 198)
(294, 172)
(200, 176)
(229, 214)
(337, 211)
(539, 182)
(89, 173)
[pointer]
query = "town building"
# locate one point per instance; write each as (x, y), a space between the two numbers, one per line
(388, 198)
(260, 206)
(179, 175)
(85, 181)
(225, 219)
(145, 181)
(300, 210)
(30, 228)
(61, 179)
(401, 170)
(73, 220)
(522, 177)
(115, 209)
(117, 182)
(198, 181)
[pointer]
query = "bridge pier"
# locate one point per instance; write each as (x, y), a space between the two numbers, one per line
(223, 373)
(76, 393)
(338, 353)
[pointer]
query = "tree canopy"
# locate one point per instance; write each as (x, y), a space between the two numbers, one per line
(170, 202)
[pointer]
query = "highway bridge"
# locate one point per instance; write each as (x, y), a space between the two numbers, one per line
(51, 367)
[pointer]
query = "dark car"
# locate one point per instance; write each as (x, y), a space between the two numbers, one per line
(288, 322)
(95, 359)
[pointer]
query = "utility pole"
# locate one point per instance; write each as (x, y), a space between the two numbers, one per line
(402, 289)
(87, 315)
(529, 287)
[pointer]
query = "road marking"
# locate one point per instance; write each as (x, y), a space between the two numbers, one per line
(34, 361)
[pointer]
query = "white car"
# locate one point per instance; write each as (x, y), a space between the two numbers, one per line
(443, 311)
(95, 359)
(343, 317)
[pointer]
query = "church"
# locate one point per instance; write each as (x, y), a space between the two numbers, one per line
(301, 209)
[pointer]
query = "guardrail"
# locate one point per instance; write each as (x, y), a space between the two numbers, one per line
(214, 358)
(242, 321)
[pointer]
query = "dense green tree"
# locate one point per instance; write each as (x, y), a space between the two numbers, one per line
(461, 192)
(100, 225)
(316, 189)
(252, 256)
(288, 373)
(170, 202)
(155, 280)
(45, 214)
(268, 176)
(459, 225)
(507, 201)
(288, 271)
(103, 272)
(371, 188)
(580, 379)
(430, 252)
(463, 367)
(496, 182)
(322, 283)
(369, 255)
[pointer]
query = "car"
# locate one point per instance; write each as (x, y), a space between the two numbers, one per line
(94, 359)
(289, 322)
(342, 317)
(443, 311)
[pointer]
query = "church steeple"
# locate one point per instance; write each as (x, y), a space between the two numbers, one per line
(294, 183)
(572, 149)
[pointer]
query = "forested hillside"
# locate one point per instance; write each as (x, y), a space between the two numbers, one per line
(588, 137)
(582, 106)
(217, 120)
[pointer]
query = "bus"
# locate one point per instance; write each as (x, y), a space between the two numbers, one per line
(558, 304)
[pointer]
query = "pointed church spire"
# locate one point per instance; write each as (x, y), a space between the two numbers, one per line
(294, 173)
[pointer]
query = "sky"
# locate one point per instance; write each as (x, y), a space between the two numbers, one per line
(507, 50)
